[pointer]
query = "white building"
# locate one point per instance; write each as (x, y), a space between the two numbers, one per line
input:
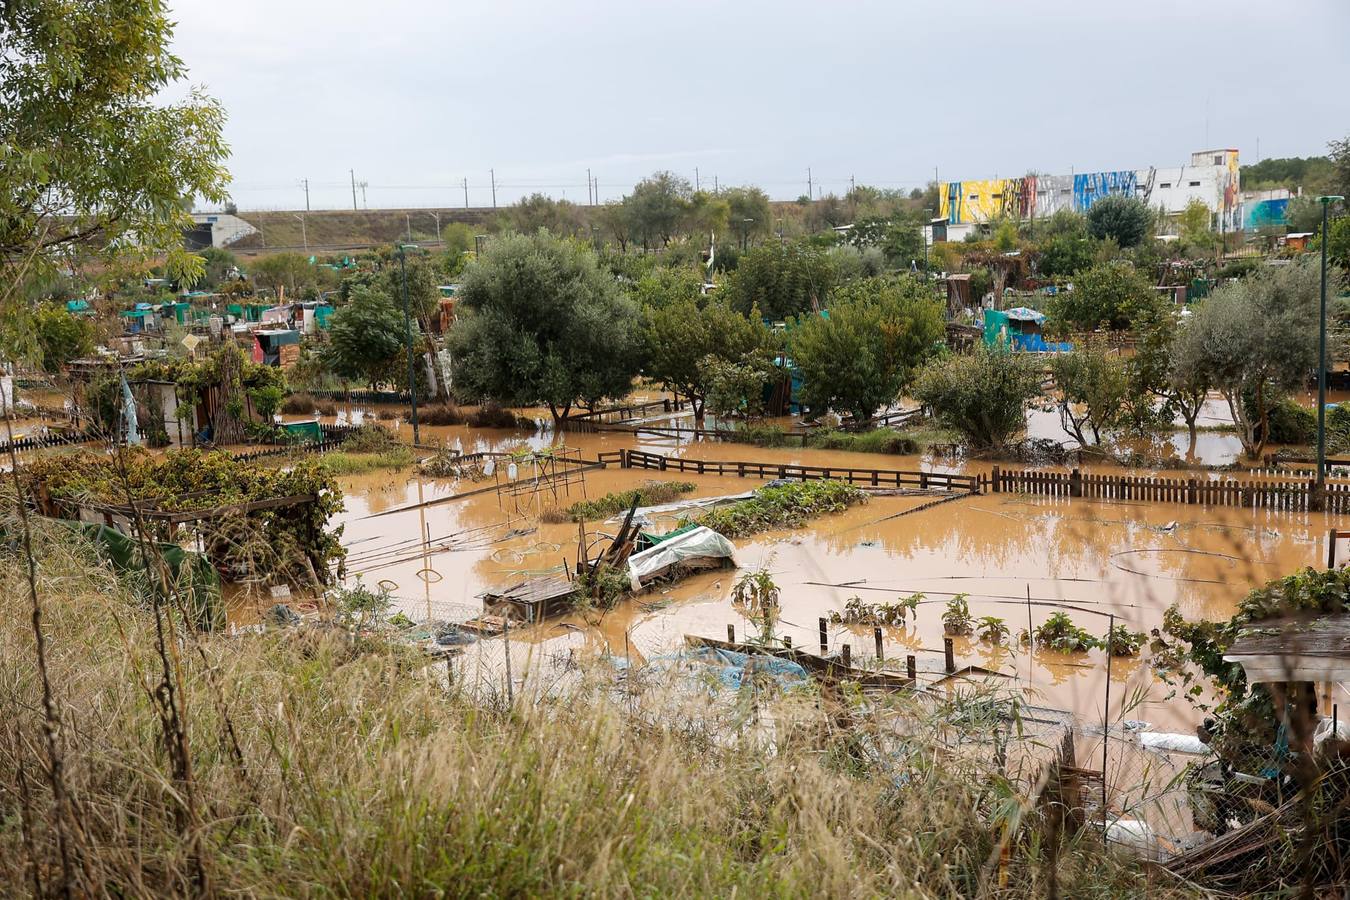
(1212, 177)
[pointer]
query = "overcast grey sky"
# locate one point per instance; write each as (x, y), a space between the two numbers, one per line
(415, 95)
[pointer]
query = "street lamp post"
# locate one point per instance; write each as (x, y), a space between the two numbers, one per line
(407, 330)
(1322, 355)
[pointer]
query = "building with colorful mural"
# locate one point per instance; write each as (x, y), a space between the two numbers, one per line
(1212, 177)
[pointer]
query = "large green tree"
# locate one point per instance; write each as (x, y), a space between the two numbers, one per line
(750, 213)
(366, 338)
(682, 336)
(1126, 220)
(543, 323)
(782, 279)
(657, 208)
(62, 336)
(859, 358)
(283, 271)
(1107, 295)
(92, 164)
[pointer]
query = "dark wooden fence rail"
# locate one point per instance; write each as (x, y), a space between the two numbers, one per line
(18, 445)
(636, 459)
(626, 412)
(1293, 494)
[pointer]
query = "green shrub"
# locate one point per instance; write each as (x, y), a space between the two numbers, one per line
(880, 440)
(784, 506)
(983, 395)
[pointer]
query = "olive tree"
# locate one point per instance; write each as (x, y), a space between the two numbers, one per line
(540, 322)
(1254, 341)
(878, 332)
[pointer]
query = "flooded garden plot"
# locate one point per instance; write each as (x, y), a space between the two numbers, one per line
(1089, 559)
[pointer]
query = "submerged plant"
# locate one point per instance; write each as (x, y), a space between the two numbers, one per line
(1060, 633)
(757, 593)
(858, 612)
(956, 617)
(992, 630)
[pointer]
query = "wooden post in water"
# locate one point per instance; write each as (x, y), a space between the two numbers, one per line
(876, 636)
(731, 633)
(949, 655)
(846, 655)
(824, 636)
(994, 481)
(911, 668)
(1075, 483)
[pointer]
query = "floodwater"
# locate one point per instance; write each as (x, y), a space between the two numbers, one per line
(1089, 558)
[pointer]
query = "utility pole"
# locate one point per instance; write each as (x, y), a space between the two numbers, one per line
(466, 193)
(717, 188)
(597, 188)
(305, 182)
(407, 327)
(437, 214)
(590, 195)
(810, 191)
(493, 175)
(695, 178)
(353, 174)
(363, 185)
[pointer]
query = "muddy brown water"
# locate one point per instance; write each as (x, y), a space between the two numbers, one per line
(1088, 558)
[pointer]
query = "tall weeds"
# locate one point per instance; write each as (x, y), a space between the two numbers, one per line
(330, 763)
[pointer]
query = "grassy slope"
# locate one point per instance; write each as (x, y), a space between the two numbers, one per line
(358, 774)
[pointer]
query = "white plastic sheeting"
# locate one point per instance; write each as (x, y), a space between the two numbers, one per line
(1163, 741)
(697, 542)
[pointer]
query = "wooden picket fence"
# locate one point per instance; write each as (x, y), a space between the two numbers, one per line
(637, 459)
(1283, 494)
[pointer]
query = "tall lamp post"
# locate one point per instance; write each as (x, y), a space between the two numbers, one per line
(1322, 354)
(407, 331)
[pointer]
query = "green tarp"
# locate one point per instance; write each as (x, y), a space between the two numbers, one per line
(305, 432)
(191, 572)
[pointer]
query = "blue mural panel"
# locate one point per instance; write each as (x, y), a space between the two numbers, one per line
(1258, 214)
(1090, 187)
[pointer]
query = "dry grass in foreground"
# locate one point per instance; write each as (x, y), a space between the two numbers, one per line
(304, 762)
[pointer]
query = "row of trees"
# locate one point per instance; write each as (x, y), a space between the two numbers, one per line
(1254, 342)
(542, 322)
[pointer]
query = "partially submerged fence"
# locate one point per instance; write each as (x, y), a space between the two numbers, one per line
(333, 438)
(637, 459)
(614, 415)
(18, 445)
(362, 396)
(1296, 495)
